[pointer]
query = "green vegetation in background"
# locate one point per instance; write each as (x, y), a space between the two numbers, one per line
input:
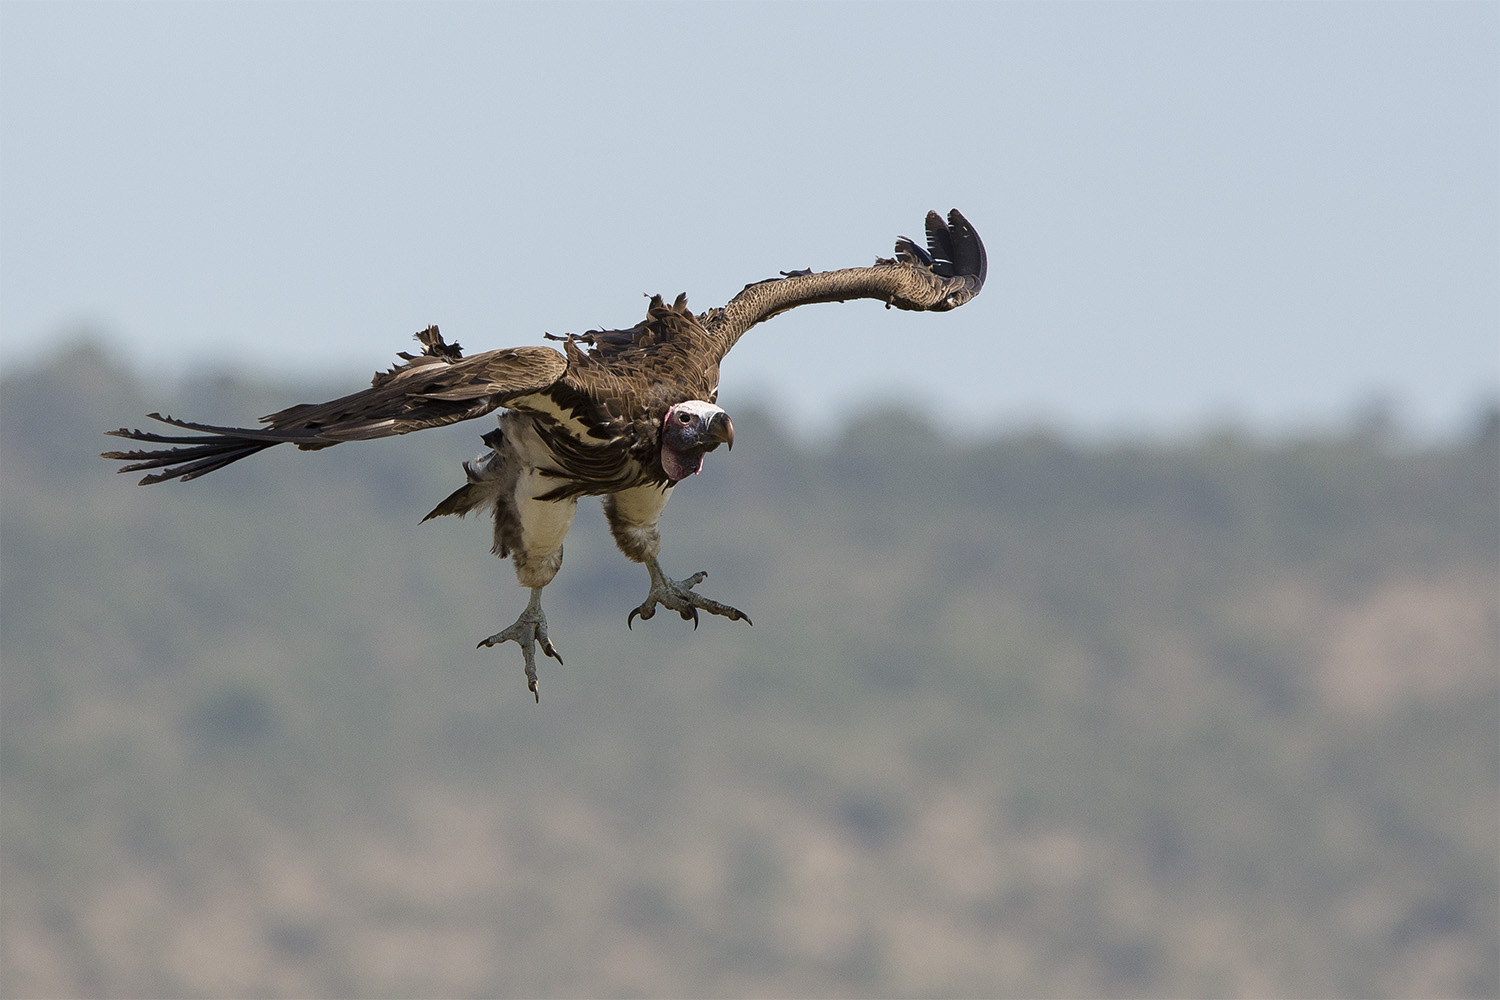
(1022, 716)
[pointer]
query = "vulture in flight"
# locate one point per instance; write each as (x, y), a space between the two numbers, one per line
(621, 414)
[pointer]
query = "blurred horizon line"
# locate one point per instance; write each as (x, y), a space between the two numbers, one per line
(1377, 414)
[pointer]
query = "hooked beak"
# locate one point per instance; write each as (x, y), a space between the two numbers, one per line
(721, 430)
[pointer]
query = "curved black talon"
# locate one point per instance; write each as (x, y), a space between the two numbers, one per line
(528, 631)
(679, 596)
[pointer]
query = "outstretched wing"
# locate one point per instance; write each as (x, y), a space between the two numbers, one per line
(945, 275)
(437, 387)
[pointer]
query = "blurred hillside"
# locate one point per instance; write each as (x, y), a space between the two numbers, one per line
(1021, 717)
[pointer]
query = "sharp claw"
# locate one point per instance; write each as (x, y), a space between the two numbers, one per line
(680, 597)
(529, 631)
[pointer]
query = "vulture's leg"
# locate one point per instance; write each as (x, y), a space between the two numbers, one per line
(530, 532)
(529, 631)
(678, 595)
(633, 516)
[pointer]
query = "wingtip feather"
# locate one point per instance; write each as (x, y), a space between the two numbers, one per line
(968, 249)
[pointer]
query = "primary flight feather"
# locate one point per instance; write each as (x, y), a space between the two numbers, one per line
(622, 414)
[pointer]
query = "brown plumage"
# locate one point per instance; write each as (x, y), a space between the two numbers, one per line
(625, 414)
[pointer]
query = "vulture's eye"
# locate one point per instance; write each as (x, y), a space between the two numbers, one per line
(684, 418)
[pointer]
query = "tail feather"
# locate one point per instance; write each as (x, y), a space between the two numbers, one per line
(482, 487)
(460, 502)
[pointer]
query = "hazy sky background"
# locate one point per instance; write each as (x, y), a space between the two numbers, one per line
(1259, 212)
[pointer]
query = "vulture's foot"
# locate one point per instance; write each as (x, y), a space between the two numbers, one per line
(529, 631)
(678, 595)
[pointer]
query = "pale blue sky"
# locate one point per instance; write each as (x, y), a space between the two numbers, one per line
(1260, 212)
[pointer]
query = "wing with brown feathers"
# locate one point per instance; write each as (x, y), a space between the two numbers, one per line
(437, 387)
(945, 275)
